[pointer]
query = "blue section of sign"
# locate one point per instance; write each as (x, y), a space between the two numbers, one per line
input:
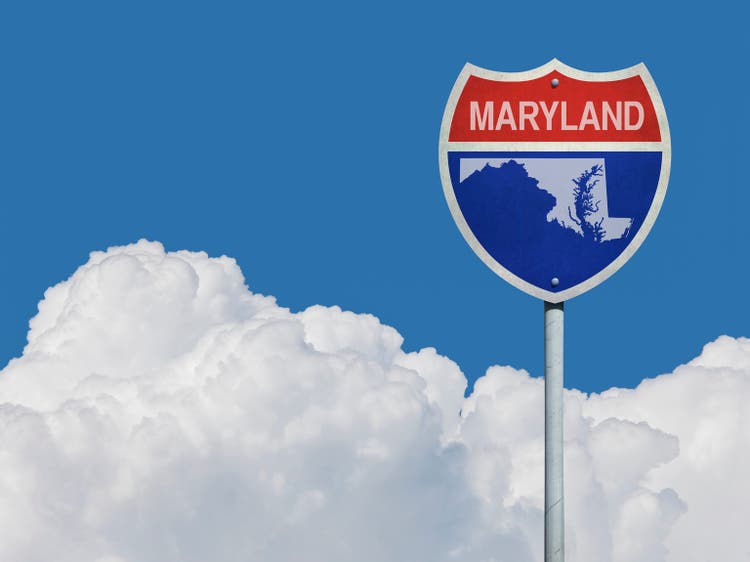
(545, 215)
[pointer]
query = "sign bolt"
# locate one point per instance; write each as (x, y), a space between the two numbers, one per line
(555, 82)
(555, 281)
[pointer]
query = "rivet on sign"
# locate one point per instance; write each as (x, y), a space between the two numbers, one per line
(555, 82)
(555, 281)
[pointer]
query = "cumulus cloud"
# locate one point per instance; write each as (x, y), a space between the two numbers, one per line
(161, 411)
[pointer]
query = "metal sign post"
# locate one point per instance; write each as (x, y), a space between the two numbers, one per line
(554, 506)
(554, 176)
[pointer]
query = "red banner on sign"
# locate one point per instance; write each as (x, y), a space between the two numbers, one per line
(555, 108)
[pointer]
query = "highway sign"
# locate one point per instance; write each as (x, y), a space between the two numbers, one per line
(554, 176)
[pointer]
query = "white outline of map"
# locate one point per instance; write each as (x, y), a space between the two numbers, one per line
(555, 175)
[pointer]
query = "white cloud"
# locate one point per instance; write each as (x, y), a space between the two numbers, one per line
(704, 404)
(163, 412)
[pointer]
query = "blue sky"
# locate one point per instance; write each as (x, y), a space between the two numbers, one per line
(302, 140)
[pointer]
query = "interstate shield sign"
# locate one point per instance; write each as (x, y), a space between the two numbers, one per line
(554, 176)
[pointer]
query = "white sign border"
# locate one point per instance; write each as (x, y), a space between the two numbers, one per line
(664, 146)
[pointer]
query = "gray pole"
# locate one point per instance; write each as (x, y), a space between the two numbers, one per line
(554, 523)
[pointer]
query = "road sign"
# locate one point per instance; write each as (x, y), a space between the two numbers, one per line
(554, 176)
